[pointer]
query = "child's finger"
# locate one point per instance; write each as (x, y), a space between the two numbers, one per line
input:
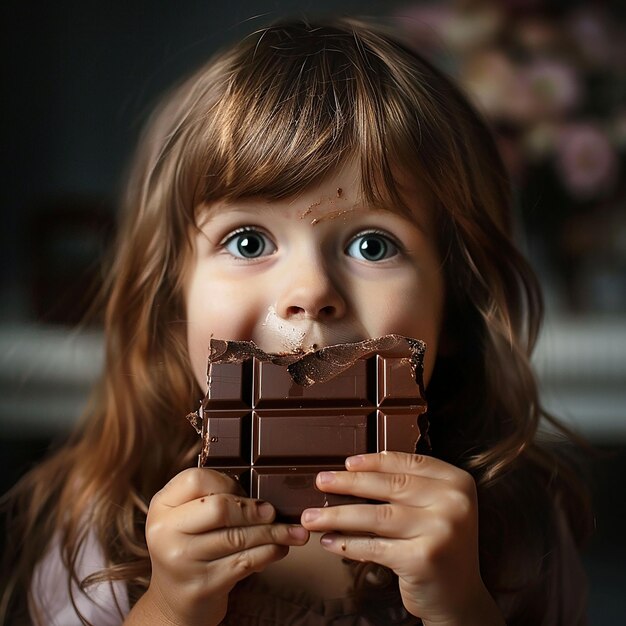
(385, 520)
(236, 567)
(402, 463)
(218, 511)
(229, 541)
(382, 550)
(404, 489)
(193, 483)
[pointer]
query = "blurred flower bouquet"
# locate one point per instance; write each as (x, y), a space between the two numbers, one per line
(550, 77)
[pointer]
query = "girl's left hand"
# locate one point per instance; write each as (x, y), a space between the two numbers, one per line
(425, 530)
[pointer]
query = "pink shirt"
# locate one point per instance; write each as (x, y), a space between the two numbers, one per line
(102, 604)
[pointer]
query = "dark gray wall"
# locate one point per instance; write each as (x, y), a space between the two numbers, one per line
(79, 77)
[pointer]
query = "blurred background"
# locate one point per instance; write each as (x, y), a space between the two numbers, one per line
(80, 78)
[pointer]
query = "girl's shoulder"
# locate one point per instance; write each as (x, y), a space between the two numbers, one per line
(57, 598)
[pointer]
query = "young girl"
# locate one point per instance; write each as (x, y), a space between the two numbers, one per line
(324, 182)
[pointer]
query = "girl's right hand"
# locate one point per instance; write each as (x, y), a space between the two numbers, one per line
(204, 537)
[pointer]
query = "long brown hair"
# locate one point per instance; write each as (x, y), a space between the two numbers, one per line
(269, 117)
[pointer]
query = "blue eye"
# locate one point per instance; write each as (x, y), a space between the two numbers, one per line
(249, 243)
(371, 247)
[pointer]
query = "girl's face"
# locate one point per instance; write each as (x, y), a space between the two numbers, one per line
(311, 271)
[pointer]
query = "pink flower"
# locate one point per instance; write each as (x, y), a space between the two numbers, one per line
(586, 159)
(554, 85)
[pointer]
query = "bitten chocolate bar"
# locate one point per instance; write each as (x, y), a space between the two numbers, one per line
(273, 421)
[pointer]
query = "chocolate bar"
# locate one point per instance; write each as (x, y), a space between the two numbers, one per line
(273, 421)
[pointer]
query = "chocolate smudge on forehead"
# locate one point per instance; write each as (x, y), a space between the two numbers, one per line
(331, 216)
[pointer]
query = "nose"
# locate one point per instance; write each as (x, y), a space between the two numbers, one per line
(310, 293)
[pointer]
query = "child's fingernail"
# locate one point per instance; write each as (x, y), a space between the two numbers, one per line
(353, 461)
(310, 515)
(325, 478)
(327, 540)
(297, 532)
(266, 510)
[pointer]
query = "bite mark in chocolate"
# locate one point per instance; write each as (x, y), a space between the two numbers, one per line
(273, 421)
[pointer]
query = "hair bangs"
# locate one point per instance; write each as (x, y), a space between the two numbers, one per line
(294, 110)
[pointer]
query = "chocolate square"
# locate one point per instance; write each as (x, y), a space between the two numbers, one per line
(274, 421)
